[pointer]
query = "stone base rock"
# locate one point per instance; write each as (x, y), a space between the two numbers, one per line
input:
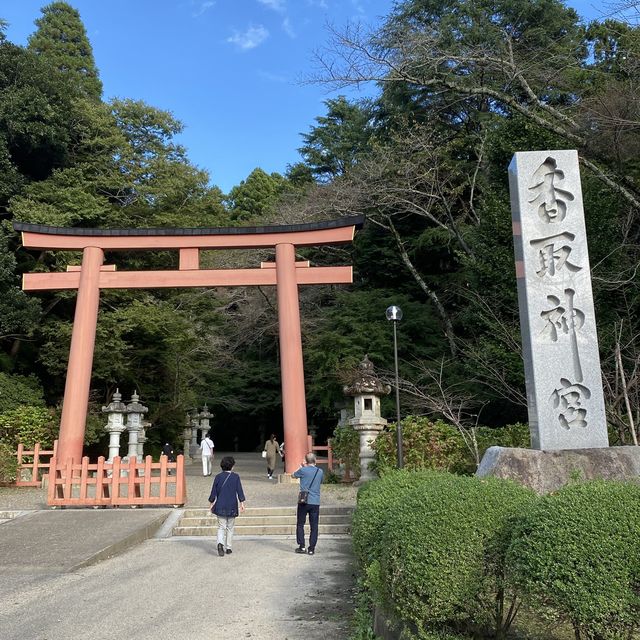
(547, 471)
(287, 478)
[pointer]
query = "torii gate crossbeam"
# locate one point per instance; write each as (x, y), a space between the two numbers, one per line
(286, 274)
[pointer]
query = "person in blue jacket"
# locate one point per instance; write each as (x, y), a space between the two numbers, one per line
(310, 480)
(225, 494)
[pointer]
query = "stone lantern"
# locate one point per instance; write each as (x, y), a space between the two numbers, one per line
(142, 438)
(366, 390)
(186, 437)
(195, 425)
(135, 411)
(115, 411)
(205, 415)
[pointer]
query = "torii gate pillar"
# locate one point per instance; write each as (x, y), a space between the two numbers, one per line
(83, 338)
(291, 364)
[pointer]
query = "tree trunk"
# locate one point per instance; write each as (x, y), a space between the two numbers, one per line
(444, 316)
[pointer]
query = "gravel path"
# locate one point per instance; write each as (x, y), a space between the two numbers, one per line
(179, 587)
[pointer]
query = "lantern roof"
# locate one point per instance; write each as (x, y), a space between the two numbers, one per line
(116, 405)
(366, 381)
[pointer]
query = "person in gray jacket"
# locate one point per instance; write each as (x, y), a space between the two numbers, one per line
(310, 480)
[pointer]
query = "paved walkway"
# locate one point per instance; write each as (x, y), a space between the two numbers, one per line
(167, 587)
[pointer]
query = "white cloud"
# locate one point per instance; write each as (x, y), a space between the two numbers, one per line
(357, 5)
(250, 39)
(202, 7)
(276, 5)
(288, 27)
(322, 4)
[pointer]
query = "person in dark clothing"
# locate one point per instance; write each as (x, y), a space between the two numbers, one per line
(167, 450)
(225, 494)
(310, 480)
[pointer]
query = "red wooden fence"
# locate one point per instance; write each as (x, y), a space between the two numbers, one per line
(117, 484)
(31, 466)
(328, 459)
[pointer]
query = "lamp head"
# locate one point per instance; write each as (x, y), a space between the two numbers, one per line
(394, 313)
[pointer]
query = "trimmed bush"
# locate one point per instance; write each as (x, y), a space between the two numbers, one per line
(428, 444)
(345, 444)
(438, 445)
(577, 552)
(511, 435)
(28, 425)
(8, 463)
(378, 501)
(433, 548)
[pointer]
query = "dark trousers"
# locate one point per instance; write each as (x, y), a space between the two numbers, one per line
(314, 514)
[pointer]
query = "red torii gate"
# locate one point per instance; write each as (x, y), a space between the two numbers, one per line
(286, 274)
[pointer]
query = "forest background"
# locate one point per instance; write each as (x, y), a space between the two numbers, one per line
(462, 85)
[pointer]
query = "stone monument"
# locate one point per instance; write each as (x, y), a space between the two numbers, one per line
(366, 390)
(558, 324)
(565, 400)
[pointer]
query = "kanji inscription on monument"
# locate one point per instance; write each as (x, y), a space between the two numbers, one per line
(559, 340)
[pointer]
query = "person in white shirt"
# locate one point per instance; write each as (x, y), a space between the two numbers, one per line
(207, 447)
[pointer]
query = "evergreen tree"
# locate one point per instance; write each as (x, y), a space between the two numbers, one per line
(61, 38)
(256, 196)
(334, 144)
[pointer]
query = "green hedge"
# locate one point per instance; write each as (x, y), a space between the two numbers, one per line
(28, 425)
(432, 546)
(428, 444)
(345, 444)
(435, 444)
(8, 463)
(577, 552)
(446, 554)
(379, 501)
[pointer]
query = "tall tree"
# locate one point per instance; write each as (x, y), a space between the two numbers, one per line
(35, 130)
(62, 39)
(334, 144)
(256, 196)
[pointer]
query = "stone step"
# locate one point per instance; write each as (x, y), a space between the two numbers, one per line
(273, 511)
(255, 520)
(262, 530)
(9, 515)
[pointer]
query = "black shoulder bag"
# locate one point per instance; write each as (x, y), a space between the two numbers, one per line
(303, 496)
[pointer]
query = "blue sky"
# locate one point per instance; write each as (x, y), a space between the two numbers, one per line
(232, 71)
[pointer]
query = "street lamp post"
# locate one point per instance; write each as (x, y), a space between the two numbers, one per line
(394, 314)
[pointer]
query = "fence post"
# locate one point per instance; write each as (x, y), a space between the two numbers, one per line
(53, 477)
(36, 462)
(163, 476)
(67, 491)
(84, 474)
(115, 481)
(147, 477)
(180, 481)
